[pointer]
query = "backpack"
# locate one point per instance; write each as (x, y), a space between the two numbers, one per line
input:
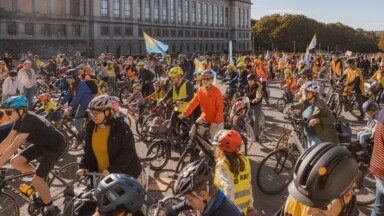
(80, 203)
(92, 85)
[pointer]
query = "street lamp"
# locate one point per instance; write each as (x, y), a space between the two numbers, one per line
(294, 46)
(253, 45)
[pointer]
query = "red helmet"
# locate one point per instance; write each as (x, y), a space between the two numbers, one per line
(230, 141)
(45, 96)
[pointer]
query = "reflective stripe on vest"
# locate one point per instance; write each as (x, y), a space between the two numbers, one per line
(182, 94)
(242, 184)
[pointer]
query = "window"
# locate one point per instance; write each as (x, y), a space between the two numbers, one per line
(45, 29)
(199, 12)
(116, 8)
(186, 11)
(247, 18)
(172, 9)
(128, 5)
(156, 10)
(104, 8)
(140, 32)
(179, 11)
(148, 31)
(180, 33)
(226, 16)
(165, 33)
(210, 14)
(139, 9)
(193, 15)
(206, 34)
(156, 33)
(128, 31)
(222, 16)
(243, 22)
(116, 31)
(194, 47)
(239, 17)
(187, 47)
(147, 10)
(61, 30)
(194, 34)
(200, 33)
(217, 34)
(187, 33)
(201, 47)
(104, 31)
(212, 34)
(29, 29)
(76, 30)
(216, 15)
(173, 33)
(222, 34)
(205, 14)
(165, 9)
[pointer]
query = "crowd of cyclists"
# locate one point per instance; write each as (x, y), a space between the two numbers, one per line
(324, 175)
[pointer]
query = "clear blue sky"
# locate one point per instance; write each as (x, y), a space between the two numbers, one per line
(365, 14)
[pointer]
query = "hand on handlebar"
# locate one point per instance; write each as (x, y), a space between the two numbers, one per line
(181, 116)
(313, 122)
(81, 172)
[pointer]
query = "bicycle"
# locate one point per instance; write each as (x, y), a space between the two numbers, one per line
(276, 169)
(75, 139)
(62, 178)
(336, 101)
(287, 97)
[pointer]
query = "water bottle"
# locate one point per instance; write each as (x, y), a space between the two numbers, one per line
(27, 190)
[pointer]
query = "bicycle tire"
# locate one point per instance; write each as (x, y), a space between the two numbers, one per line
(277, 178)
(8, 205)
(280, 104)
(247, 132)
(66, 142)
(161, 150)
(282, 143)
(354, 109)
(366, 188)
(145, 135)
(124, 93)
(68, 178)
(140, 121)
(188, 156)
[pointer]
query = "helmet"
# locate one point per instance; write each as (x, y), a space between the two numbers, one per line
(312, 86)
(257, 61)
(370, 106)
(140, 64)
(192, 176)
(181, 56)
(15, 102)
(231, 66)
(121, 191)
(351, 61)
(12, 73)
(241, 65)
(307, 72)
(45, 96)
(101, 102)
(207, 74)
(230, 141)
(287, 71)
(252, 76)
(216, 137)
(175, 72)
(136, 86)
(63, 70)
(323, 173)
(100, 75)
(71, 73)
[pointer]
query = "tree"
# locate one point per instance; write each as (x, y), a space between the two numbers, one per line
(381, 41)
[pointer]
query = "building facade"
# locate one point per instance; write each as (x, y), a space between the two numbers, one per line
(95, 26)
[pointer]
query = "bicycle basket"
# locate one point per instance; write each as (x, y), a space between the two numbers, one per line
(160, 125)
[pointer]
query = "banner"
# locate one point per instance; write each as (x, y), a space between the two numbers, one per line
(154, 46)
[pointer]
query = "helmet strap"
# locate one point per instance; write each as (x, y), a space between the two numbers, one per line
(18, 113)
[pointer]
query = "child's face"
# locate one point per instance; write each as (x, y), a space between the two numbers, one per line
(42, 102)
(156, 87)
(369, 115)
(251, 82)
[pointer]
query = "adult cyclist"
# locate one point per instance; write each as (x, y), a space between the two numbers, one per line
(47, 143)
(322, 183)
(195, 184)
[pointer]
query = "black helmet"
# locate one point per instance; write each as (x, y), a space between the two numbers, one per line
(71, 73)
(121, 191)
(252, 76)
(322, 174)
(307, 72)
(351, 61)
(192, 176)
(12, 73)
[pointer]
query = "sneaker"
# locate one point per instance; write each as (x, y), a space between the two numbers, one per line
(54, 212)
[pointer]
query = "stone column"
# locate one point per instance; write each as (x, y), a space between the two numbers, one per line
(35, 6)
(151, 6)
(142, 10)
(82, 5)
(67, 8)
(3, 28)
(134, 10)
(110, 9)
(161, 12)
(51, 8)
(20, 28)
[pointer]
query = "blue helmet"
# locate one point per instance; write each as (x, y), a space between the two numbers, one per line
(100, 75)
(15, 102)
(71, 73)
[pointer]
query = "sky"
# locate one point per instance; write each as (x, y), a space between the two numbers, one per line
(365, 14)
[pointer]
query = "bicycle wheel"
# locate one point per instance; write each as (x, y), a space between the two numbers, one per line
(66, 142)
(8, 205)
(366, 188)
(124, 93)
(282, 143)
(162, 152)
(146, 135)
(247, 132)
(188, 156)
(140, 121)
(354, 109)
(261, 125)
(63, 178)
(275, 171)
(280, 104)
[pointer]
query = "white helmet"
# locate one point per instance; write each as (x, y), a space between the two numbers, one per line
(101, 102)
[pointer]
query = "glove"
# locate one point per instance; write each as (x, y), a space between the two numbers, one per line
(171, 211)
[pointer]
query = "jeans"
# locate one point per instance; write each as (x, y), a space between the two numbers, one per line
(79, 119)
(29, 93)
(256, 125)
(363, 137)
(112, 83)
(378, 206)
(313, 140)
(359, 100)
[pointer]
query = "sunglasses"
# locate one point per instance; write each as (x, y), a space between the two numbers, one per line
(8, 112)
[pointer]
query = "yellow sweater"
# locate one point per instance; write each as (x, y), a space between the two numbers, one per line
(100, 147)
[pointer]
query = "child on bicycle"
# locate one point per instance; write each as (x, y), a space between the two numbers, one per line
(136, 99)
(289, 82)
(157, 94)
(100, 83)
(255, 94)
(371, 109)
(47, 108)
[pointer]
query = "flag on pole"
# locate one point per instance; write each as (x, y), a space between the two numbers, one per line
(307, 59)
(313, 43)
(154, 46)
(230, 53)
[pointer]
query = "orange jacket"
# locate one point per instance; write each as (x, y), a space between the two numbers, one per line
(211, 104)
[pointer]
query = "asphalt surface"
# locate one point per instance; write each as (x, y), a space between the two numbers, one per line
(266, 204)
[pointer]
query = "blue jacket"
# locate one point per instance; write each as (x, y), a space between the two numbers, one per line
(62, 84)
(83, 96)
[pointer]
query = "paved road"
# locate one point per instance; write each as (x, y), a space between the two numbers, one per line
(266, 204)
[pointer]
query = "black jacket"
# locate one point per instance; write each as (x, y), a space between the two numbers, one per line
(121, 150)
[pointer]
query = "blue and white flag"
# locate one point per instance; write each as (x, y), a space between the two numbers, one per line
(154, 46)
(313, 43)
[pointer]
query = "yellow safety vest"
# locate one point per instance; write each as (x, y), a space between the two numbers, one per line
(182, 94)
(242, 184)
